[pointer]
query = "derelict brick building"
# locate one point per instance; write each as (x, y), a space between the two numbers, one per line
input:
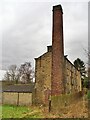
(54, 73)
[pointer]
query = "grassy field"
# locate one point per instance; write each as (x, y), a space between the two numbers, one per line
(9, 111)
(76, 110)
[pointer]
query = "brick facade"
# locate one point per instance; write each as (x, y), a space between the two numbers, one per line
(71, 82)
(54, 73)
(43, 77)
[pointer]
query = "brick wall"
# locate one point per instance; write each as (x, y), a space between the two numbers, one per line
(72, 78)
(71, 81)
(43, 78)
(54, 74)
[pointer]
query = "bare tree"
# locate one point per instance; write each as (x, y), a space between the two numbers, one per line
(26, 72)
(7, 76)
(12, 74)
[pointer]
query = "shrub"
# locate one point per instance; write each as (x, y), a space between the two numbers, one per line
(88, 94)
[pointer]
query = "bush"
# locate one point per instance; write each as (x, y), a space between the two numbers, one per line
(88, 94)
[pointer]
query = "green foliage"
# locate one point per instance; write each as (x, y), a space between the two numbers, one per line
(88, 94)
(79, 64)
(85, 82)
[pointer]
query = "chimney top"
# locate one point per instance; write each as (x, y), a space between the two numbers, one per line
(58, 7)
(49, 48)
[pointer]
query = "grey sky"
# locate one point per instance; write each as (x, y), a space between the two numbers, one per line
(27, 30)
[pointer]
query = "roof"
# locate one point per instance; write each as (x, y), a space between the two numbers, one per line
(18, 88)
(43, 55)
(65, 57)
(70, 62)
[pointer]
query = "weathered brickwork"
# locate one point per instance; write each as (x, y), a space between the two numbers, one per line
(72, 77)
(43, 77)
(57, 51)
(71, 81)
(54, 73)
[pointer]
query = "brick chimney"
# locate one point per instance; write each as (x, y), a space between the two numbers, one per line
(57, 51)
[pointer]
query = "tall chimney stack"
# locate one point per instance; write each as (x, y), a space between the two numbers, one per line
(57, 51)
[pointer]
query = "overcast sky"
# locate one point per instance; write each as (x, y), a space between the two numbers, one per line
(27, 30)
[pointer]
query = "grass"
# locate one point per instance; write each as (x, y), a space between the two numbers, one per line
(77, 110)
(0, 111)
(9, 111)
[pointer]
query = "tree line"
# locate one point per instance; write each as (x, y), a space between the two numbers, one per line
(22, 74)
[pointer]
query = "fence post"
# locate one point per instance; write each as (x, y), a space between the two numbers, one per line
(18, 100)
(49, 105)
